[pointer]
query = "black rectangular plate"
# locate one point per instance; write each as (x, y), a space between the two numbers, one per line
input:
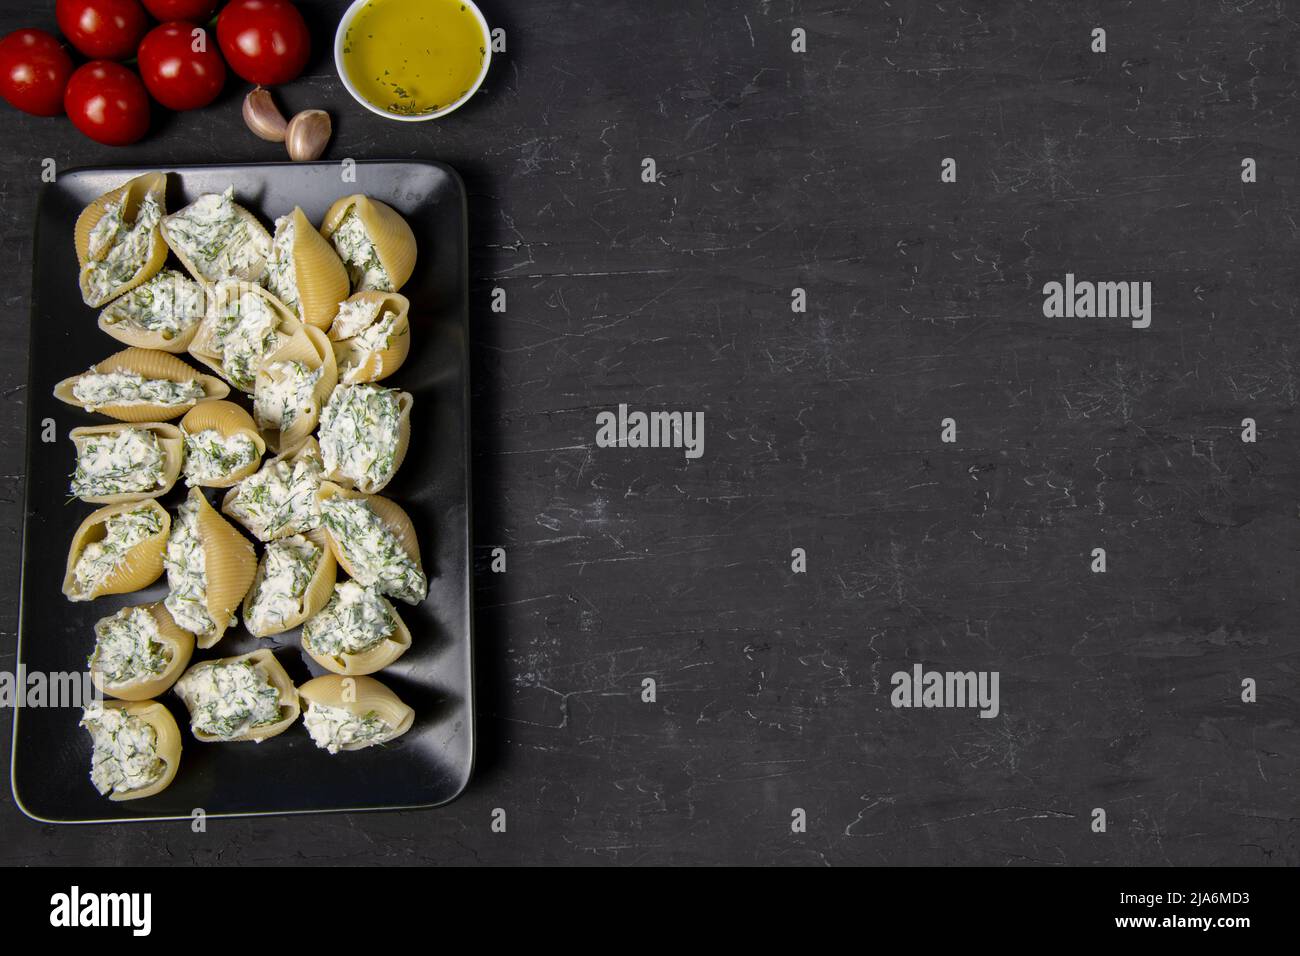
(432, 762)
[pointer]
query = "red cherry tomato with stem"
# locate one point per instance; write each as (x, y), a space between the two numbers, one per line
(176, 75)
(264, 41)
(34, 70)
(108, 103)
(102, 29)
(196, 11)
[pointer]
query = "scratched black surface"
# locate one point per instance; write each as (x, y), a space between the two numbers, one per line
(821, 171)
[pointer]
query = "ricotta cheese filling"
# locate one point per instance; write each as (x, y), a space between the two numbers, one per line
(352, 317)
(122, 532)
(187, 577)
(245, 331)
(94, 390)
(359, 430)
(280, 499)
(128, 461)
(355, 620)
(332, 728)
(168, 305)
(228, 698)
(285, 391)
(372, 551)
(125, 753)
(282, 579)
(358, 252)
(128, 648)
(220, 243)
(281, 276)
(211, 456)
(119, 250)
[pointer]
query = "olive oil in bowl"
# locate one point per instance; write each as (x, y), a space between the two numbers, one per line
(412, 59)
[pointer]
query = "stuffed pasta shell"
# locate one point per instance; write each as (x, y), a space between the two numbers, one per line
(163, 313)
(304, 272)
(139, 652)
(215, 238)
(374, 542)
(136, 748)
(280, 499)
(117, 463)
(116, 550)
(352, 713)
(364, 433)
(140, 385)
(371, 333)
(249, 697)
(209, 568)
(243, 327)
(357, 632)
(222, 445)
(294, 580)
(118, 241)
(375, 243)
(289, 391)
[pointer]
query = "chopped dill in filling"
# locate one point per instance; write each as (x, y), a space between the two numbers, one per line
(285, 391)
(228, 698)
(355, 620)
(187, 577)
(358, 252)
(332, 728)
(359, 432)
(286, 570)
(281, 276)
(169, 304)
(118, 250)
(211, 456)
(123, 462)
(128, 648)
(220, 242)
(122, 532)
(371, 550)
(125, 755)
(245, 330)
(94, 390)
(280, 499)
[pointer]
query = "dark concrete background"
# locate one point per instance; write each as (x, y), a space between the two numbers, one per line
(821, 170)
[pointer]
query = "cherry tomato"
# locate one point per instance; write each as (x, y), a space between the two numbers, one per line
(107, 102)
(34, 69)
(264, 41)
(102, 29)
(195, 11)
(175, 74)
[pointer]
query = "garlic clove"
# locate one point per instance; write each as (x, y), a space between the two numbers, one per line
(262, 117)
(308, 134)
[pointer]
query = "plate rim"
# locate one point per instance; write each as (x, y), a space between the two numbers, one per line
(471, 729)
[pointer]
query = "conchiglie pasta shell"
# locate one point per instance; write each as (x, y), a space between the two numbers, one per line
(356, 365)
(255, 225)
(169, 441)
(173, 636)
(129, 334)
(141, 566)
(229, 420)
(134, 191)
(367, 694)
(322, 357)
(320, 274)
(167, 743)
(309, 447)
(150, 364)
(314, 598)
(389, 512)
(265, 663)
(370, 661)
(388, 231)
(404, 403)
(229, 566)
(204, 347)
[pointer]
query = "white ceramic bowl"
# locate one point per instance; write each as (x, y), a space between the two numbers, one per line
(346, 21)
